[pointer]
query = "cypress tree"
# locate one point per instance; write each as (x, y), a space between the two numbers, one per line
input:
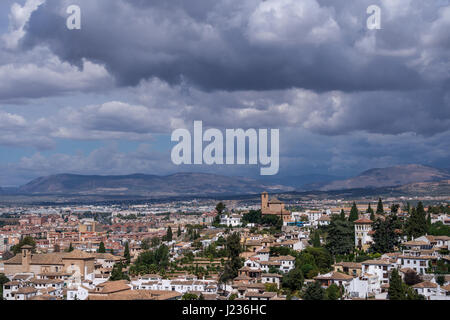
(316, 239)
(101, 248)
(353, 213)
(342, 216)
(380, 209)
(385, 238)
(416, 224)
(429, 222)
(169, 234)
(396, 289)
(126, 253)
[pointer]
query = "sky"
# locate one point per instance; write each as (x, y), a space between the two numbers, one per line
(105, 99)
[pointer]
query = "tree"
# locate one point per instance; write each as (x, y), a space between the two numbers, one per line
(394, 208)
(416, 225)
(101, 248)
(126, 253)
(179, 232)
(153, 261)
(340, 238)
(371, 212)
(314, 291)
(272, 220)
(189, 296)
(342, 215)
(396, 288)
(271, 287)
(253, 216)
(3, 280)
(293, 280)
(145, 244)
(25, 241)
(353, 213)
(316, 239)
(56, 248)
(385, 238)
(412, 278)
(117, 273)
(333, 292)
(220, 208)
(440, 280)
(319, 258)
(234, 263)
(70, 249)
(169, 234)
(380, 208)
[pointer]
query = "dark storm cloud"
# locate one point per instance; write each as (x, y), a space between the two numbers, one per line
(230, 45)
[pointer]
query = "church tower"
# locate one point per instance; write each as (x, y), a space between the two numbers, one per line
(26, 258)
(264, 201)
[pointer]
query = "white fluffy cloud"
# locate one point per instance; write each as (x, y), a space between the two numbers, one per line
(291, 22)
(18, 18)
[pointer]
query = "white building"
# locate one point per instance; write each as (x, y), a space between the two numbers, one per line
(231, 220)
(380, 268)
(363, 228)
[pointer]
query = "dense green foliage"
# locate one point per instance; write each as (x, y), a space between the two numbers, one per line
(353, 213)
(234, 262)
(385, 238)
(70, 249)
(118, 274)
(439, 229)
(293, 280)
(126, 253)
(25, 241)
(314, 291)
(316, 239)
(333, 292)
(380, 209)
(189, 296)
(416, 225)
(253, 216)
(169, 234)
(101, 248)
(340, 238)
(398, 290)
(3, 280)
(151, 261)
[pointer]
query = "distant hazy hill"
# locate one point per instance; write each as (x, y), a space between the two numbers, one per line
(391, 176)
(179, 184)
(437, 188)
(301, 182)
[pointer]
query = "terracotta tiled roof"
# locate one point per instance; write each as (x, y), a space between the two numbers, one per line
(353, 265)
(376, 262)
(363, 221)
(425, 284)
(109, 287)
(334, 276)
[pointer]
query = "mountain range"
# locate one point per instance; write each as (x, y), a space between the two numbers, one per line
(389, 177)
(405, 178)
(184, 184)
